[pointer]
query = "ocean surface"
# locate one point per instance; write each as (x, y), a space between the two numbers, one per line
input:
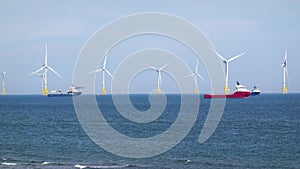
(257, 132)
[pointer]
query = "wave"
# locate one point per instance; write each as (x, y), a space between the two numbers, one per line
(102, 166)
(46, 163)
(9, 164)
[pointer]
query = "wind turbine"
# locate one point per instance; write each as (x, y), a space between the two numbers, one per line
(285, 73)
(104, 70)
(45, 69)
(195, 74)
(226, 62)
(158, 70)
(3, 83)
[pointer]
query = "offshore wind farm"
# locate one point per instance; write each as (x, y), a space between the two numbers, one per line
(42, 72)
(160, 84)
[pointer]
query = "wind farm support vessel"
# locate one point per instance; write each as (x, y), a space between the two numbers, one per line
(255, 91)
(73, 91)
(239, 92)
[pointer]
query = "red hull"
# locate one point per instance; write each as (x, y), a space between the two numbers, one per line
(234, 95)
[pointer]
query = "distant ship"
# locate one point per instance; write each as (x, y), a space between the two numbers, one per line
(255, 91)
(73, 91)
(239, 92)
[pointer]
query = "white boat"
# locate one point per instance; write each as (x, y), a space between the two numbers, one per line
(73, 91)
(255, 91)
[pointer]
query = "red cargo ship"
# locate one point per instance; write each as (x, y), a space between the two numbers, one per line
(239, 92)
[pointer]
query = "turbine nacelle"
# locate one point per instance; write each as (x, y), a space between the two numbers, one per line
(3, 74)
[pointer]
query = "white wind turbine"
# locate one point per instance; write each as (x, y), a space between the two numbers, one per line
(158, 70)
(226, 62)
(3, 83)
(285, 73)
(104, 70)
(195, 74)
(45, 69)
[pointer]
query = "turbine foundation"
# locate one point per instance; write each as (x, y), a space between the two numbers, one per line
(196, 91)
(226, 90)
(284, 90)
(103, 91)
(158, 90)
(3, 91)
(45, 91)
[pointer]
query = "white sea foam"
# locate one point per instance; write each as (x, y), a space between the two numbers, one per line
(10, 164)
(4, 159)
(188, 161)
(80, 166)
(46, 163)
(99, 166)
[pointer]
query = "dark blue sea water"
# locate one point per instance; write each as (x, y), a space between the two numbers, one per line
(258, 132)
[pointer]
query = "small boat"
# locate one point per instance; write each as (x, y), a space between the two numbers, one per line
(255, 91)
(239, 92)
(73, 91)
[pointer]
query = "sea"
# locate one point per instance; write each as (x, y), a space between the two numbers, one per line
(39, 132)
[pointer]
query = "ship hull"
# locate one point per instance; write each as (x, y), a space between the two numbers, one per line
(234, 95)
(64, 94)
(60, 95)
(254, 93)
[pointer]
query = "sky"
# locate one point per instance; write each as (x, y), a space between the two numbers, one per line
(262, 29)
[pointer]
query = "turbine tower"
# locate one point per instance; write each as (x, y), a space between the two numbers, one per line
(195, 74)
(104, 70)
(45, 69)
(3, 83)
(285, 73)
(226, 62)
(158, 70)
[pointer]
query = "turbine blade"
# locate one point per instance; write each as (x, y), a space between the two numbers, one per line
(54, 71)
(165, 65)
(285, 55)
(235, 57)
(196, 69)
(46, 55)
(200, 77)
(152, 67)
(35, 72)
(191, 75)
(96, 71)
(221, 57)
(105, 59)
(108, 73)
(38, 74)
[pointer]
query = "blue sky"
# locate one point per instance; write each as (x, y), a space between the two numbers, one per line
(263, 29)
